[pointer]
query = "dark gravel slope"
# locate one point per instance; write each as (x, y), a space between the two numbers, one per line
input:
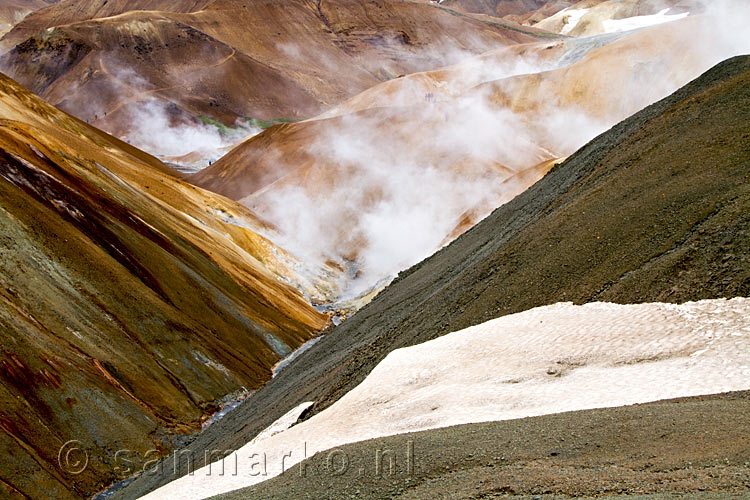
(655, 209)
(693, 444)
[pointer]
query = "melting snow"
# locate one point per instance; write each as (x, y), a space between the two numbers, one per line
(546, 360)
(572, 17)
(632, 23)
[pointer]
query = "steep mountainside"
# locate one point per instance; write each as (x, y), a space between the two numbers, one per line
(655, 209)
(229, 59)
(131, 302)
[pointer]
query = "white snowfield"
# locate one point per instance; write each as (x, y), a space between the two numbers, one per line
(546, 360)
(604, 18)
(572, 18)
(632, 23)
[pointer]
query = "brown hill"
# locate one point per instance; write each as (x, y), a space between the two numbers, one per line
(72, 11)
(502, 8)
(655, 209)
(100, 69)
(299, 58)
(131, 302)
(13, 11)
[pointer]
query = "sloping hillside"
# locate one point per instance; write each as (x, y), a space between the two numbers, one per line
(14, 11)
(131, 302)
(661, 450)
(230, 60)
(72, 11)
(102, 70)
(655, 209)
(546, 360)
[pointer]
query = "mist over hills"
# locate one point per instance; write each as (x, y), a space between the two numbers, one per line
(349, 186)
(653, 210)
(225, 222)
(117, 65)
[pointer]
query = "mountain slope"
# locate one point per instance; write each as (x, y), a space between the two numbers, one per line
(131, 303)
(591, 17)
(101, 70)
(192, 59)
(508, 9)
(546, 360)
(72, 11)
(13, 11)
(655, 209)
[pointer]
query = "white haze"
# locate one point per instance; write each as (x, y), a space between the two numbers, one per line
(155, 132)
(399, 192)
(396, 199)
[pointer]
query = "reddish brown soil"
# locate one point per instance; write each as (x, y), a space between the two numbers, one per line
(127, 308)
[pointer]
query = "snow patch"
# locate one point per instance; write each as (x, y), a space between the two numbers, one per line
(632, 23)
(282, 424)
(546, 360)
(571, 19)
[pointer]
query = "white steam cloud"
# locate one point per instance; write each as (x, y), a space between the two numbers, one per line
(158, 133)
(391, 184)
(127, 106)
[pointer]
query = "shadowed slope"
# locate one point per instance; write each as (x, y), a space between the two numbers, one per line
(131, 302)
(655, 209)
